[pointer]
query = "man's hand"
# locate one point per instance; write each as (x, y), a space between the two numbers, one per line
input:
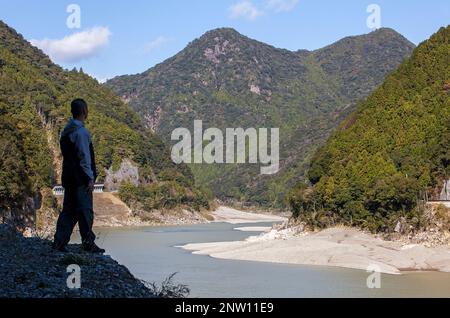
(91, 186)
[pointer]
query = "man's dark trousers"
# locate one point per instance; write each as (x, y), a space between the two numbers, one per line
(77, 207)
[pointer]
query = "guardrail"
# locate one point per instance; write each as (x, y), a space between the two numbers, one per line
(59, 190)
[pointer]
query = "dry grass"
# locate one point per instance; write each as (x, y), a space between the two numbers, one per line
(442, 215)
(168, 289)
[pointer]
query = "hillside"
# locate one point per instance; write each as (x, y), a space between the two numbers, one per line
(391, 153)
(35, 97)
(229, 81)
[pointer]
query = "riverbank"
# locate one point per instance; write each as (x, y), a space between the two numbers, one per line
(339, 247)
(233, 216)
(30, 268)
(110, 211)
(187, 217)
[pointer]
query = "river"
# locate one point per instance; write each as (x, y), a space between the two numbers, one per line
(151, 254)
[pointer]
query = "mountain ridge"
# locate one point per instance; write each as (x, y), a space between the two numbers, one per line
(229, 80)
(221, 30)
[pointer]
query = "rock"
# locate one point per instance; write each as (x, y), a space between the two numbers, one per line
(30, 268)
(7, 231)
(28, 232)
(445, 193)
(255, 89)
(127, 172)
(401, 225)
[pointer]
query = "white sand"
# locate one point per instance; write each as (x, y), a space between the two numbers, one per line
(341, 247)
(254, 229)
(229, 215)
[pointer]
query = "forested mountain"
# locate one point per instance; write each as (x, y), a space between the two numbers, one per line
(230, 81)
(392, 152)
(35, 97)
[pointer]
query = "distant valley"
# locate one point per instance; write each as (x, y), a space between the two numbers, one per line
(228, 80)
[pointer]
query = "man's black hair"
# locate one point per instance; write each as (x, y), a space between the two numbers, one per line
(77, 106)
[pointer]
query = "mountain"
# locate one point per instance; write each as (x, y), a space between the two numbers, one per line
(391, 153)
(35, 97)
(228, 81)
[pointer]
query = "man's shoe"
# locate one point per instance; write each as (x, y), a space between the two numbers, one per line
(93, 248)
(59, 248)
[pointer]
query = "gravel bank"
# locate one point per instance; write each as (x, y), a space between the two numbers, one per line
(29, 268)
(233, 216)
(340, 247)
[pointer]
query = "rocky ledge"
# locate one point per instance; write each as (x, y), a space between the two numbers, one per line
(30, 268)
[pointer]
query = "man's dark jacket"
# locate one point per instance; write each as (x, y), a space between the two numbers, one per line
(78, 155)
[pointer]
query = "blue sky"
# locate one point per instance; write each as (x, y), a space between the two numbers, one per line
(126, 37)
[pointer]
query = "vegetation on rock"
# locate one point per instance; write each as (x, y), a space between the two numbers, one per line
(390, 154)
(35, 97)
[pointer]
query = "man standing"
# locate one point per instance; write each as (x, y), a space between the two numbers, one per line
(78, 178)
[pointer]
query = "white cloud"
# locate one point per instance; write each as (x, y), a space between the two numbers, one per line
(75, 47)
(281, 5)
(246, 10)
(155, 44)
